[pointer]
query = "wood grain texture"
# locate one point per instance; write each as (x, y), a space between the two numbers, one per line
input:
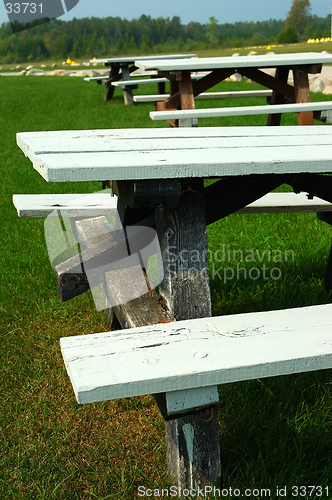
(185, 285)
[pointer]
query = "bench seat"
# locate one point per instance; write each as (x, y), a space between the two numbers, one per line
(126, 83)
(207, 95)
(198, 353)
(267, 109)
(41, 205)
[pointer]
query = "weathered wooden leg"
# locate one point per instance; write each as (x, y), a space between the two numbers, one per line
(127, 91)
(277, 97)
(302, 94)
(193, 450)
(161, 88)
(109, 87)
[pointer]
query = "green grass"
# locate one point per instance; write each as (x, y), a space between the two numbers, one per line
(274, 432)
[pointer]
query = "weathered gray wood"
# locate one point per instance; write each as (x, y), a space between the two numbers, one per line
(173, 153)
(71, 277)
(127, 90)
(71, 281)
(127, 290)
(185, 287)
(148, 308)
(267, 109)
(192, 449)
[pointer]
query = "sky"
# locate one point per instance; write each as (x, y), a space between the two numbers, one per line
(225, 11)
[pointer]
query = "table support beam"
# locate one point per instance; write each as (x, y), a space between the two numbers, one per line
(302, 94)
(277, 97)
(192, 441)
(269, 81)
(230, 194)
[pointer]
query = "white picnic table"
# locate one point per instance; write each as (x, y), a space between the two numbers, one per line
(159, 173)
(123, 67)
(258, 68)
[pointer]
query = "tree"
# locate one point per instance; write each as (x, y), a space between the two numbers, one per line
(299, 15)
(212, 28)
(288, 35)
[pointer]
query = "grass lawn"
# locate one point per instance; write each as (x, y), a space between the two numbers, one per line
(274, 432)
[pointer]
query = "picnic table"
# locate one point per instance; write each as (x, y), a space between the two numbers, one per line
(123, 67)
(258, 68)
(158, 176)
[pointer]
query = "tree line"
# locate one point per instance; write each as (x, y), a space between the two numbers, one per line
(112, 36)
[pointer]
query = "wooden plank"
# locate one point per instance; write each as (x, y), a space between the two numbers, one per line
(186, 91)
(270, 82)
(70, 141)
(184, 163)
(302, 95)
(285, 203)
(189, 153)
(277, 97)
(242, 110)
(142, 81)
(71, 205)
(198, 353)
(236, 63)
(207, 95)
(132, 59)
(95, 78)
(127, 83)
(145, 307)
(185, 287)
(178, 402)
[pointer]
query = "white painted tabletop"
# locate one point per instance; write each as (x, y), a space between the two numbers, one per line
(164, 153)
(132, 59)
(259, 61)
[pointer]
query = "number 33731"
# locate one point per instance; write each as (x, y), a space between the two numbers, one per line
(22, 8)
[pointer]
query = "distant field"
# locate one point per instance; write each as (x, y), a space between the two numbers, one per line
(274, 432)
(220, 52)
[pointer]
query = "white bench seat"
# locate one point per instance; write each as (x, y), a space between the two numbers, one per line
(41, 205)
(207, 95)
(126, 83)
(240, 111)
(95, 78)
(198, 353)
